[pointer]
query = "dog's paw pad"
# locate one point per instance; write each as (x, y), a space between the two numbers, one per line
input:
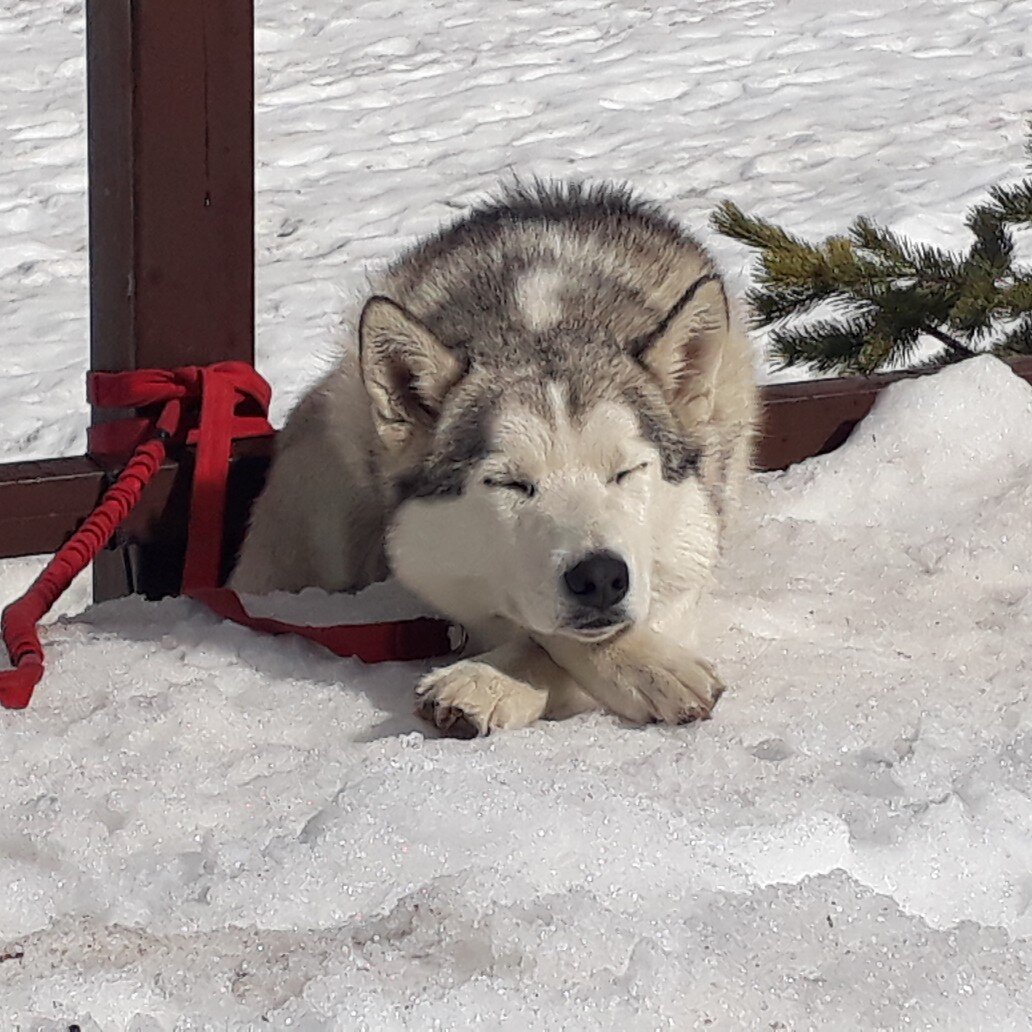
(447, 719)
(469, 699)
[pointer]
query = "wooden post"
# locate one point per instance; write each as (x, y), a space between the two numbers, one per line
(170, 102)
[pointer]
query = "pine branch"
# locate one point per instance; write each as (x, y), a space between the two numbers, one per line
(787, 264)
(730, 220)
(903, 257)
(885, 293)
(901, 318)
(772, 305)
(827, 346)
(994, 244)
(1013, 204)
(1017, 341)
(976, 295)
(953, 346)
(1016, 297)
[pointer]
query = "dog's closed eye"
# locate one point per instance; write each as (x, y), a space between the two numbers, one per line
(620, 477)
(523, 487)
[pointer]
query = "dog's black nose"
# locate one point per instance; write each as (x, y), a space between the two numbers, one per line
(599, 580)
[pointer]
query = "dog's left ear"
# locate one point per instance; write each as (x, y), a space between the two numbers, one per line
(683, 353)
(406, 370)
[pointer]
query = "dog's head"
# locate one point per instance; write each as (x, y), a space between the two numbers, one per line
(558, 490)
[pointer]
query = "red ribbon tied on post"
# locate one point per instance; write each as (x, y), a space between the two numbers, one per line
(233, 402)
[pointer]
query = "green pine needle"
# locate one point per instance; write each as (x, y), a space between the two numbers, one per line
(1018, 341)
(1013, 204)
(880, 295)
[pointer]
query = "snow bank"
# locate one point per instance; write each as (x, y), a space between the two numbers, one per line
(376, 119)
(205, 829)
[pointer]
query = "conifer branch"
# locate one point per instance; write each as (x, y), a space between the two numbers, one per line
(1018, 341)
(875, 293)
(953, 345)
(1013, 204)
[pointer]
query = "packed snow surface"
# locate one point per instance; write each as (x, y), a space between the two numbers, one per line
(378, 120)
(207, 829)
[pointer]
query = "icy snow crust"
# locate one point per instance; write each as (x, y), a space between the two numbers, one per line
(207, 829)
(377, 120)
(316, 608)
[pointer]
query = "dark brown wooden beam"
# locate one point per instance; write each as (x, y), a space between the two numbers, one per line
(812, 417)
(42, 503)
(170, 105)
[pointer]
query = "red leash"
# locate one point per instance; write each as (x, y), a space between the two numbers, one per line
(227, 401)
(391, 641)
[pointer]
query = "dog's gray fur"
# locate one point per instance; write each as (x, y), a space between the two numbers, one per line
(549, 315)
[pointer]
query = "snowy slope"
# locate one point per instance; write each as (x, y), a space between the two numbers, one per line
(376, 119)
(204, 829)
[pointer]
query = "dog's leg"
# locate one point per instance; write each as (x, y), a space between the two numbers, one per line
(511, 686)
(641, 675)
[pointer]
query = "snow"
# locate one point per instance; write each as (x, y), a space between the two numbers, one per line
(377, 121)
(316, 608)
(208, 829)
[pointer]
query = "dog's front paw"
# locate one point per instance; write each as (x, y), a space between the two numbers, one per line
(678, 692)
(642, 676)
(470, 698)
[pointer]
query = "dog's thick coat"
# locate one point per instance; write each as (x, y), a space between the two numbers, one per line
(542, 432)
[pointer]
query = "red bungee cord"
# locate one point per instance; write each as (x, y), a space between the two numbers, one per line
(232, 401)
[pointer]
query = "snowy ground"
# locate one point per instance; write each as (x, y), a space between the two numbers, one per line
(203, 828)
(377, 119)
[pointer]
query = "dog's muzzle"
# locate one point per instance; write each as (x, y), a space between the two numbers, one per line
(594, 589)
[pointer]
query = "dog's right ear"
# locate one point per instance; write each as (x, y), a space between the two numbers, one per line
(406, 371)
(684, 352)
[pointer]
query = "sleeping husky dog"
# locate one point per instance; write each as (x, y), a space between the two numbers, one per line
(542, 434)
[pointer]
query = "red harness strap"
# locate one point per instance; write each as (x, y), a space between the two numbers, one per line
(227, 401)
